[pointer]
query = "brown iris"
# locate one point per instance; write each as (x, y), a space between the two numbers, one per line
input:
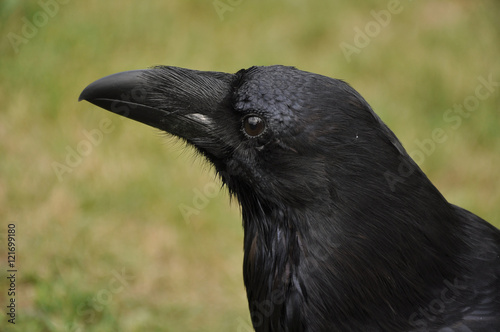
(253, 125)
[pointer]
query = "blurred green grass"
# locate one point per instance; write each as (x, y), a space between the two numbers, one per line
(119, 208)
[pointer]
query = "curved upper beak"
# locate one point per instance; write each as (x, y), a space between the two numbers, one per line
(126, 94)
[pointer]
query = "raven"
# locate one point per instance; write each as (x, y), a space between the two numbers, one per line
(342, 230)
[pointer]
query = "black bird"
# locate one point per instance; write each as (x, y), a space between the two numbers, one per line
(343, 231)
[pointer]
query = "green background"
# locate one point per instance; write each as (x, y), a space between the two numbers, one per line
(118, 209)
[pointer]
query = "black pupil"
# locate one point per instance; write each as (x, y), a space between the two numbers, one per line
(254, 126)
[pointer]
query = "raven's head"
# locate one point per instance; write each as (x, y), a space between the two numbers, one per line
(285, 135)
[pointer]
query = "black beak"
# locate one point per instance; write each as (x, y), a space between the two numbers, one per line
(180, 101)
(124, 94)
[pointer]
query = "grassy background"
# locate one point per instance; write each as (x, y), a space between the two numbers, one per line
(117, 210)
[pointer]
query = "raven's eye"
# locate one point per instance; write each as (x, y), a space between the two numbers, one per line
(253, 125)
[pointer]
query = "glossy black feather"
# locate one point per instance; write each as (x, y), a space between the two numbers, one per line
(343, 231)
